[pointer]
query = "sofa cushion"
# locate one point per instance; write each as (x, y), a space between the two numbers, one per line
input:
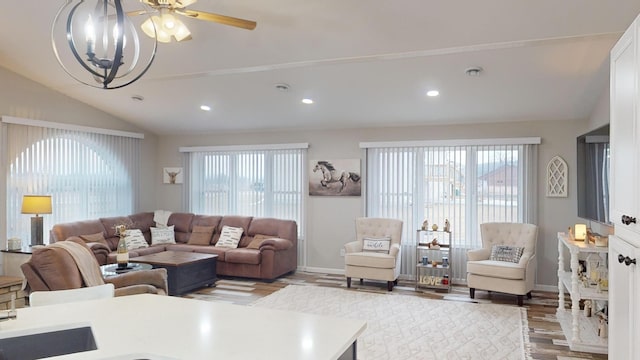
(61, 232)
(496, 269)
(221, 252)
(370, 259)
(243, 256)
(97, 237)
(182, 222)
(230, 237)
(110, 224)
(201, 235)
(162, 235)
(235, 221)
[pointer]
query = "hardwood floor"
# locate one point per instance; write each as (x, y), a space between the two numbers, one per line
(545, 336)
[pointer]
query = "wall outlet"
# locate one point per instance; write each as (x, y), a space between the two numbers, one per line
(341, 252)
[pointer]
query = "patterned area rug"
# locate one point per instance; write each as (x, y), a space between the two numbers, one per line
(408, 327)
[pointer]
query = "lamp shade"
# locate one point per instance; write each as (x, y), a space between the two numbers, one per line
(580, 231)
(36, 204)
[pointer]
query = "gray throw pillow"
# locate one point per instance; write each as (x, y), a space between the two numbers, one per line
(506, 253)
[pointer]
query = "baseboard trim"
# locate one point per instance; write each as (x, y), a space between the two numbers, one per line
(312, 269)
(321, 270)
(547, 288)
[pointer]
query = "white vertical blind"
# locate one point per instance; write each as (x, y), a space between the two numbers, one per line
(88, 175)
(257, 182)
(466, 184)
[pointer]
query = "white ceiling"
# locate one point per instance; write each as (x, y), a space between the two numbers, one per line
(365, 63)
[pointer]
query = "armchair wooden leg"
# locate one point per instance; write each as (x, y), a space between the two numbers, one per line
(472, 293)
(395, 282)
(348, 282)
(520, 297)
(389, 285)
(361, 281)
(529, 296)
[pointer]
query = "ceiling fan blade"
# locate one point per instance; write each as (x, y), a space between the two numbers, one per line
(222, 19)
(138, 12)
(183, 3)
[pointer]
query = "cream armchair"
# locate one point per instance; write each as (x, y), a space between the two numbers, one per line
(492, 270)
(360, 262)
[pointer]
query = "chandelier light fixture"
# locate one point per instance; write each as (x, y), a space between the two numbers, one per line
(96, 43)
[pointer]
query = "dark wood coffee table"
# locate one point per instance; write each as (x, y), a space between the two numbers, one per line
(186, 271)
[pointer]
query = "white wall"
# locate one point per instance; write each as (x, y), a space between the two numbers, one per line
(331, 219)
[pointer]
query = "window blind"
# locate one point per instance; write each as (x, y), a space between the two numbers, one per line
(88, 174)
(466, 184)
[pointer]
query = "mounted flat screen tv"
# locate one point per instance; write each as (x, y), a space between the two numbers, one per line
(593, 175)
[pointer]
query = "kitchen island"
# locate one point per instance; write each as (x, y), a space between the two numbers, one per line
(165, 327)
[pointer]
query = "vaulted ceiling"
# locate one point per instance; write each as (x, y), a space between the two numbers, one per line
(364, 63)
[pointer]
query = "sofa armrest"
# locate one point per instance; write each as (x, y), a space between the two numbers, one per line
(138, 289)
(276, 244)
(478, 254)
(354, 246)
(154, 277)
(100, 251)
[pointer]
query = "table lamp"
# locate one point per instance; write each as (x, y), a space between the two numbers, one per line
(580, 232)
(36, 204)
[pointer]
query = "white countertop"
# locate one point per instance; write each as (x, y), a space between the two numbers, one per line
(178, 328)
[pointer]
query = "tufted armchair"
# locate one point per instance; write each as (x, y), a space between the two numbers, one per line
(491, 269)
(361, 261)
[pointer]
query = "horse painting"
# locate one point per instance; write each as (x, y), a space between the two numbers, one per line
(331, 175)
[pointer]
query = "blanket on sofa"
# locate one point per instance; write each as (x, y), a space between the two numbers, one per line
(86, 262)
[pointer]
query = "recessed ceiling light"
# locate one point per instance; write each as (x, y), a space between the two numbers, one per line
(433, 93)
(205, 107)
(282, 87)
(307, 101)
(474, 71)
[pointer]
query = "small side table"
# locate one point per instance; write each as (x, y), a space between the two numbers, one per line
(12, 259)
(112, 269)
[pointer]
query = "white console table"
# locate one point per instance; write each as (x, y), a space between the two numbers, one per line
(581, 331)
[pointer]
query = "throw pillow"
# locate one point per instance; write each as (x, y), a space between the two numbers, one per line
(506, 253)
(379, 245)
(162, 235)
(98, 237)
(201, 235)
(229, 237)
(134, 239)
(257, 241)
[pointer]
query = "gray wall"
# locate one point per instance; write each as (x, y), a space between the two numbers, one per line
(329, 228)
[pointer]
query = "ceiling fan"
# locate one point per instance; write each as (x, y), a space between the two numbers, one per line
(168, 26)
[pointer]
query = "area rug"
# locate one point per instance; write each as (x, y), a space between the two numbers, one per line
(410, 327)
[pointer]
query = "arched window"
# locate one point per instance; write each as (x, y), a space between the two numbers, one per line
(88, 175)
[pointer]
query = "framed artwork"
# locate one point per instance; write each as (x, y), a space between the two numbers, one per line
(335, 177)
(557, 173)
(172, 175)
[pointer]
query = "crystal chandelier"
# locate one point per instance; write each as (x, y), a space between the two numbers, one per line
(96, 44)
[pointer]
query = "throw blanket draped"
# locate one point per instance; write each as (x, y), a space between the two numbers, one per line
(161, 217)
(87, 264)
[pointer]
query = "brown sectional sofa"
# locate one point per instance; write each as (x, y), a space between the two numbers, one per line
(276, 256)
